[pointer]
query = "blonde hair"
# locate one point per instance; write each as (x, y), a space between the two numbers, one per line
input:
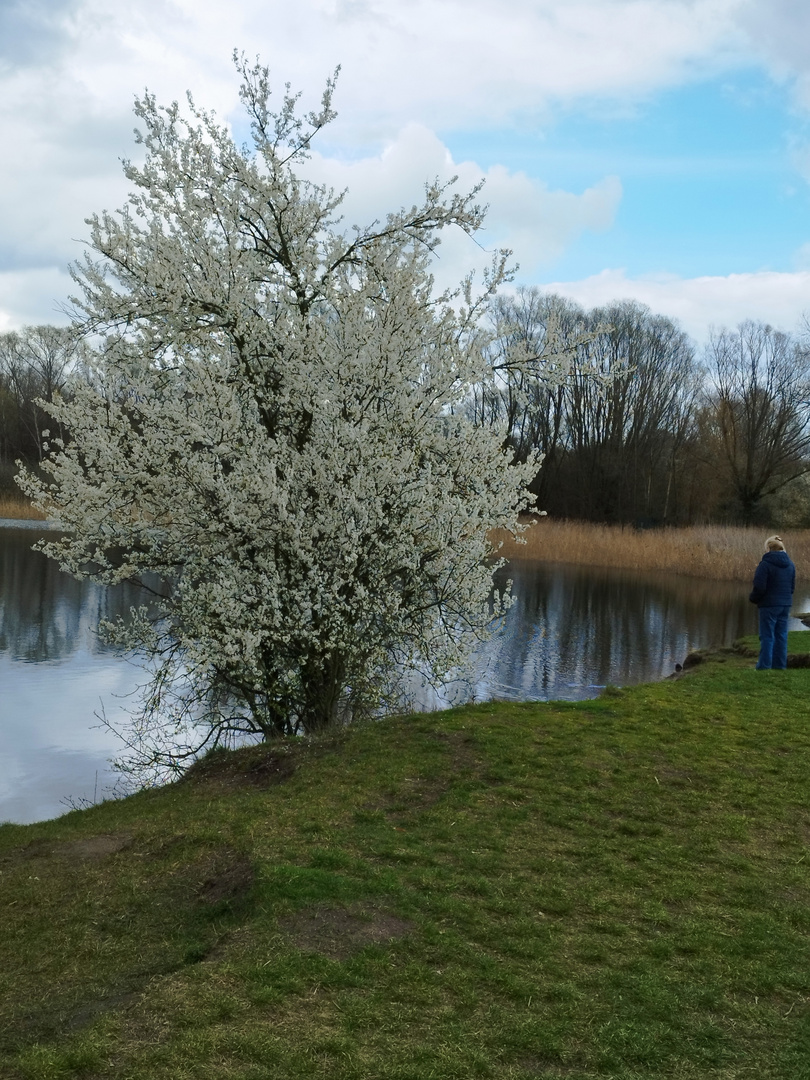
(774, 543)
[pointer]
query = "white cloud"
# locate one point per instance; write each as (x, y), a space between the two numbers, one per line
(778, 32)
(33, 297)
(524, 215)
(539, 224)
(443, 62)
(780, 299)
(69, 69)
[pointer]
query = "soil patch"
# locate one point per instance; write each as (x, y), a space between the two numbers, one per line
(418, 793)
(91, 1010)
(94, 847)
(339, 933)
(251, 766)
(89, 848)
(794, 660)
(226, 879)
(692, 660)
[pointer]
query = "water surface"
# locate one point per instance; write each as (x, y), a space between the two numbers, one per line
(570, 631)
(56, 679)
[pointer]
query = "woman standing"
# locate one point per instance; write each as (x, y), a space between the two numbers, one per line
(774, 582)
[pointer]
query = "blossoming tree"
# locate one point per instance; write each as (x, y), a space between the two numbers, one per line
(270, 438)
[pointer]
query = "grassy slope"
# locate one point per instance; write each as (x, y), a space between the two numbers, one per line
(613, 888)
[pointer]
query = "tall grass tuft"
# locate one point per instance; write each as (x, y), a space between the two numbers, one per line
(722, 552)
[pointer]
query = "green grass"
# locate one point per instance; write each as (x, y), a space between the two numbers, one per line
(798, 644)
(613, 888)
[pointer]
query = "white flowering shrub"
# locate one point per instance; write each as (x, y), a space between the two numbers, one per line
(270, 436)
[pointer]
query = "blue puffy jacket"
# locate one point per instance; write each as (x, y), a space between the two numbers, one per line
(774, 581)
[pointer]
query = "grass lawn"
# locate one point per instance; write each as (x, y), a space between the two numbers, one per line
(611, 888)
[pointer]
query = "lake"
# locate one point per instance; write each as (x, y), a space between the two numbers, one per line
(570, 631)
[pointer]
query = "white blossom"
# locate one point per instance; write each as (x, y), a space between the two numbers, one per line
(272, 434)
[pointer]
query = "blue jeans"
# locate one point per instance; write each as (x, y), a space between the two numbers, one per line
(773, 632)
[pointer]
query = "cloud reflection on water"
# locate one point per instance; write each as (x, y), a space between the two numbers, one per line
(56, 676)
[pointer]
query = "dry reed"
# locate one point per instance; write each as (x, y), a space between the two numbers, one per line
(708, 551)
(18, 508)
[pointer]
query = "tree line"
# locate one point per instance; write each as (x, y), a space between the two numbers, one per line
(632, 423)
(35, 363)
(635, 426)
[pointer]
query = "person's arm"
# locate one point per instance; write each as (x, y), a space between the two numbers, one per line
(760, 583)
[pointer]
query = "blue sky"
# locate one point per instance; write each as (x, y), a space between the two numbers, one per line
(656, 149)
(710, 174)
(709, 185)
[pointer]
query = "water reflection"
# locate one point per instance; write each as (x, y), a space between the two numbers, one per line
(45, 615)
(56, 675)
(570, 631)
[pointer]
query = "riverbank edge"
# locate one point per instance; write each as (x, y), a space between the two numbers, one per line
(353, 888)
(35, 524)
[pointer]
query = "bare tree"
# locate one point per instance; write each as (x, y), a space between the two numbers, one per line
(757, 417)
(606, 397)
(534, 334)
(625, 433)
(34, 364)
(536, 352)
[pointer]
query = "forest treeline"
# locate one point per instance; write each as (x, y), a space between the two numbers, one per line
(634, 424)
(638, 427)
(34, 366)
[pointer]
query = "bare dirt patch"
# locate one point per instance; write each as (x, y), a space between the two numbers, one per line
(114, 1002)
(226, 879)
(339, 933)
(94, 847)
(251, 766)
(418, 793)
(672, 776)
(88, 848)
(693, 659)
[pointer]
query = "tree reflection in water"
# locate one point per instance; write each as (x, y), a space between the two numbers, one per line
(56, 676)
(572, 629)
(45, 615)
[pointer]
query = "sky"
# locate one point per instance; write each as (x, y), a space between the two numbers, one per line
(657, 150)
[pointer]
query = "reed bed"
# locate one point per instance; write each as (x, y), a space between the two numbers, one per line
(18, 508)
(721, 552)
(709, 551)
